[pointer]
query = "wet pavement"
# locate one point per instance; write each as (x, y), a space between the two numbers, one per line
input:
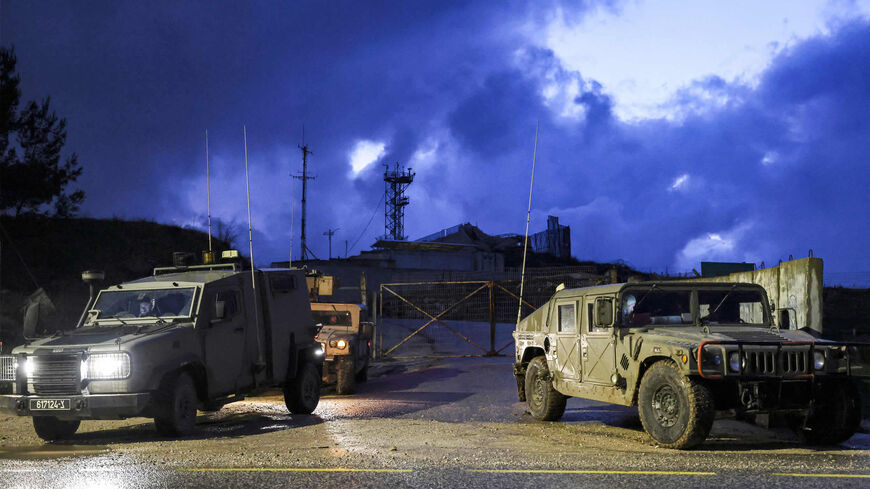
(422, 423)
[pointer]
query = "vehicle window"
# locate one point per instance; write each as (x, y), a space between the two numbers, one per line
(282, 283)
(173, 302)
(231, 302)
(567, 319)
(332, 318)
(731, 307)
(652, 306)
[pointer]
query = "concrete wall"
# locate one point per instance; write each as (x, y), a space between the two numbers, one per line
(795, 284)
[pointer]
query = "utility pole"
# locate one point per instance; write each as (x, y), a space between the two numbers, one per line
(304, 177)
(330, 233)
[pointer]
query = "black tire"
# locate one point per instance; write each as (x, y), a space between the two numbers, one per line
(545, 402)
(835, 417)
(302, 394)
(676, 410)
(177, 405)
(50, 428)
(363, 374)
(345, 378)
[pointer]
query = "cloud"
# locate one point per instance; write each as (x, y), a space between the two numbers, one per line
(454, 90)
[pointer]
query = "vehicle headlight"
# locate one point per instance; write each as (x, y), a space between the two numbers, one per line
(818, 360)
(106, 366)
(713, 356)
(321, 347)
(734, 361)
(29, 367)
(340, 344)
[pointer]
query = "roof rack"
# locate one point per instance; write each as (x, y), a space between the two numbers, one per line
(234, 267)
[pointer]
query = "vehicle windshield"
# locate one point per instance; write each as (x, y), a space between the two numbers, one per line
(658, 306)
(731, 307)
(123, 304)
(333, 318)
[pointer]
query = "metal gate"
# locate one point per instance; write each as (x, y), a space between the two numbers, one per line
(447, 319)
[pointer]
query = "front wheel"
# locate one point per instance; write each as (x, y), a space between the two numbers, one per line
(178, 401)
(345, 382)
(545, 402)
(50, 428)
(836, 415)
(677, 411)
(302, 394)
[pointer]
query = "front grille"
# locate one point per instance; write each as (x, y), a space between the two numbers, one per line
(7, 368)
(795, 362)
(56, 374)
(770, 362)
(760, 362)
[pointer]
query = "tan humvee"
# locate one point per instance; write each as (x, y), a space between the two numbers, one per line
(681, 351)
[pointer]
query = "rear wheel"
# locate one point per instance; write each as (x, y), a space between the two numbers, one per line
(345, 376)
(545, 402)
(50, 428)
(677, 411)
(302, 394)
(178, 406)
(835, 417)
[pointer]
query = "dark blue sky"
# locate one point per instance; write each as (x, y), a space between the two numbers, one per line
(740, 168)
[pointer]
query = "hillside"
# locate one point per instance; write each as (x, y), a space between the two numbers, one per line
(56, 251)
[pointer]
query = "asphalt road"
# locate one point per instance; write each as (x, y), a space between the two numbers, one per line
(450, 423)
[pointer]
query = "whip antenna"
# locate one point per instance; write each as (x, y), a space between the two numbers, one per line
(528, 218)
(251, 247)
(207, 191)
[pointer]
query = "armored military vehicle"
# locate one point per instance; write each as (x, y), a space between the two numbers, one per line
(346, 340)
(186, 337)
(680, 352)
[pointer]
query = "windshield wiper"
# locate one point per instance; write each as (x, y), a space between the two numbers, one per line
(636, 304)
(705, 318)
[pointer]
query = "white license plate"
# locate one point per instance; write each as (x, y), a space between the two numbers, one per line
(49, 405)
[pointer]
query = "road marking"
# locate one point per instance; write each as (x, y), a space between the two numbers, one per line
(845, 476)
(288, 469)
(605, 472)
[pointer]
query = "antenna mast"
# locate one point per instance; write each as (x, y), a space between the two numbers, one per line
(330, 233)
(528, 218)
(207, 190)
(304, 177)
(251, 244)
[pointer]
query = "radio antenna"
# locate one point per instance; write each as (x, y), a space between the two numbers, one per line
(207, 191)
(528, 218)
(251, 247)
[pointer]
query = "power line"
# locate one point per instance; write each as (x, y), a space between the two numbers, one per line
(377, 206)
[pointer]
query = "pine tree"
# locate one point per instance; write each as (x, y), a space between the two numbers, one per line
(33, 175)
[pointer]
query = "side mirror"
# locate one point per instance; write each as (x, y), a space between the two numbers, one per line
(367, 330)
(784, 319)
(603, 312)
(317, 328)
(31, 320)
(219, 311)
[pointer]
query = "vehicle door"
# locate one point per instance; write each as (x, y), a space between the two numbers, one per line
(597, 340)
(223, 339)
(567, 339)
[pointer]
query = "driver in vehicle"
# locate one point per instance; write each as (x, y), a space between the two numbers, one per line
(145, 307)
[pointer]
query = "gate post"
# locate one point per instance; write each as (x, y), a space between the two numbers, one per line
(491, 352)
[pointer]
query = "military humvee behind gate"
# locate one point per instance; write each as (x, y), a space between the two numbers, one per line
(346, 340)
(186, 337)
(681, 351)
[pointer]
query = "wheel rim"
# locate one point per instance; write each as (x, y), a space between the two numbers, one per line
(538, 392)
(666, 406)
(184, 409)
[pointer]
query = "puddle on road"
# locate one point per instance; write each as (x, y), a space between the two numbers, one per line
(50, 451)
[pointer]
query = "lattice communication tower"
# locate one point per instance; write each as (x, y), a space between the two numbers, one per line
(396, 181)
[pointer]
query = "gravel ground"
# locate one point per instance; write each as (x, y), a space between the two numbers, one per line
(426, 424)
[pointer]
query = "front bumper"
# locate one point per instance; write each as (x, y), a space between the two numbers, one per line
(94, 406)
